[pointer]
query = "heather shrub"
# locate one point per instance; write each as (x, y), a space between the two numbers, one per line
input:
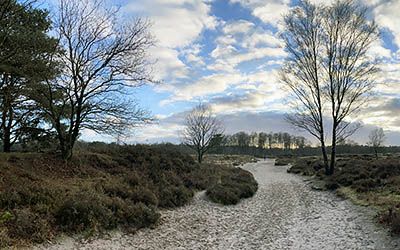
(83, 211)
(234, 185)
(174, 196)
(27, 225)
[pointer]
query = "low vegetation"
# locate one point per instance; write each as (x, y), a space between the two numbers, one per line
(229, 160)
(363, 179)
(103, 187)
(233, 185)
(283, 161)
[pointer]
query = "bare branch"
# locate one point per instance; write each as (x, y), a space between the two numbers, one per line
(202, 130)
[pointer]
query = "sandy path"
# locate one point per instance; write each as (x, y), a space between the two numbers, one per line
(284, 214)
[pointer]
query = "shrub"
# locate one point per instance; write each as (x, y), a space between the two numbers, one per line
(236, 184)
(144, 195)
(10, 199)
(303, 166)
(331, 185)
(283, 161)
(223, 194)
(364, 185)
(24, 194)
(5, 216)
(133, 179)
(28, 225)
(174, 196)
(392, 219)
(116, 187)
(83, 211)
(139, 215)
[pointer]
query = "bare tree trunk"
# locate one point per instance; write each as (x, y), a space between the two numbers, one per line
(333, 150)
(6, 141)
(6, 119)
(199, 157)
(66, 153)
(324, 155)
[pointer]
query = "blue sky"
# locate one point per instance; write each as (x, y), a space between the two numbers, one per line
(227, 53)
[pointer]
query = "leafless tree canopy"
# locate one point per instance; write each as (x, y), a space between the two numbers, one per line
(301, 73)
(202, 130)
(101, 58)
(350, 72)
(376, 139)
(328, 63)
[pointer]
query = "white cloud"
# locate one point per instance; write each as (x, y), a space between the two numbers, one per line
(240, 26)
(236, 103)
(176, 22)
(260, 38)
(228, 58)
(168, 63)
(268, 11)
(378, 51)
(207, 85)
(387, 15)
(176, 26)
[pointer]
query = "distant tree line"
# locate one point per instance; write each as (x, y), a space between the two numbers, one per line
(270, 140)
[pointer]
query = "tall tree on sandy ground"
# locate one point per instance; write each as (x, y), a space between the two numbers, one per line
(201, 131)
(328, 64)
(376, 139)
(347, 37)
(103, 57)
(24, 49)
(301, 74)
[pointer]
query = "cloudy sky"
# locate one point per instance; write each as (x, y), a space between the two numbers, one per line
(227, 53)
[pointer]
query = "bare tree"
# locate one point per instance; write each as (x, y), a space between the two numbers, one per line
(102, 57)
(376, 140)
(328, 63)
(301, 74)
(349, 71)
(202, 130)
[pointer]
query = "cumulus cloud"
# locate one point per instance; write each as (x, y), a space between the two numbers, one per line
(243, 41)
(176, 22)
(252, 100)
(387, 15)
(240, 26)
(207, 85)
(168, 63)
(268, 11)
(176, 25)
(383, 112)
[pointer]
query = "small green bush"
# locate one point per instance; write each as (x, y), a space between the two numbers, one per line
(5, 216)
